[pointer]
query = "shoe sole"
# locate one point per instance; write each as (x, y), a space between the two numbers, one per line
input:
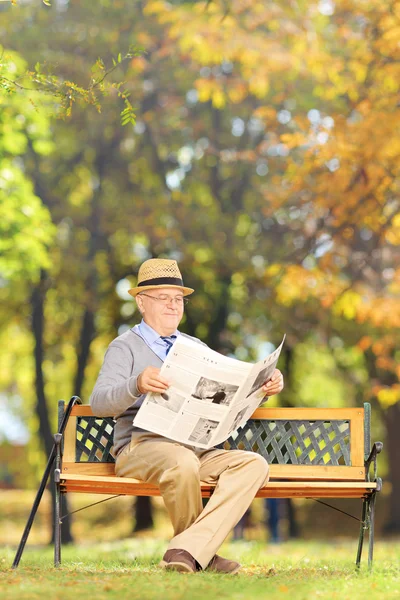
(181, 567)
(234, 571)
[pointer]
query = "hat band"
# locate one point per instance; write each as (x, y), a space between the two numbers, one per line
(162, 281)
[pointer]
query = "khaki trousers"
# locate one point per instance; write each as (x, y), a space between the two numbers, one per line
(178, 470)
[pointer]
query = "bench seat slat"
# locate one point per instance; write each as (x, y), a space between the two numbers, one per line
(297, 472)
(275, 489)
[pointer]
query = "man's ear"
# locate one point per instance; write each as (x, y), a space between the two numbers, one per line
(139, 303)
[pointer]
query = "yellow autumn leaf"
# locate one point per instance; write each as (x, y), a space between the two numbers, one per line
(273, 270)
(218, 98)
(205, 89)
(154, 7)
(265, 113)
(392, 34)
(347, 304)
(237, 94)
(259, 86)
(293, 140)
(389, 396)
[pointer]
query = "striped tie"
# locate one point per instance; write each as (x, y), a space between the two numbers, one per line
(169, 340)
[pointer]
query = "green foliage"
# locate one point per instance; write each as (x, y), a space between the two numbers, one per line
(43, 84)
(25, 226)
(318, 369)
(26, 230)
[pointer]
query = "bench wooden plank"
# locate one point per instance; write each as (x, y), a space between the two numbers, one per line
(357, 438)
(69, 452)
(85, 410)
(282, 489)
(303, 413)
(318, 472)
(263, 493)
(281, 484)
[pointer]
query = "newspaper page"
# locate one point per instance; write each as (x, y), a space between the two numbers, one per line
(210, 396)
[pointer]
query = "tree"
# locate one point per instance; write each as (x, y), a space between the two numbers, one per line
(249, 135)
(348, 154)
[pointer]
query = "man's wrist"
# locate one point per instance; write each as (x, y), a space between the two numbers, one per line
(139, 389)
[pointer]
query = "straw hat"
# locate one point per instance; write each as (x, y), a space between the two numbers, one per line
(159, 273)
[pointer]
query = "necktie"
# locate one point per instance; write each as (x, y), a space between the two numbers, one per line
(169, 340)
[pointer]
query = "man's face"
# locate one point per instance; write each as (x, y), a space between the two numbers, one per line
(161, 309)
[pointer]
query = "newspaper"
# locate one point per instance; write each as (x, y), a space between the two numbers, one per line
(210, 396)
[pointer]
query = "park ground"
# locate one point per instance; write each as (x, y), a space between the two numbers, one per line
(128, 569)
(109, 562)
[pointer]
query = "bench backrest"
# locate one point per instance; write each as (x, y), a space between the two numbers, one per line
(298, 443)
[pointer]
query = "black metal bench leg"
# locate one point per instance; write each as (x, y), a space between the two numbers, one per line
(57, 507)
(371, 508)
(363, 527)
(63, 423)
(35, 507)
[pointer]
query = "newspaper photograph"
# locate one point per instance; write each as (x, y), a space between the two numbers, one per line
(210, 396)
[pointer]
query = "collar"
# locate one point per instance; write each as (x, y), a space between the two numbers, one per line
(149, 334)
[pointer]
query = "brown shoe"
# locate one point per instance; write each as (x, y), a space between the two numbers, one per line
(178, 560)
(223, 565)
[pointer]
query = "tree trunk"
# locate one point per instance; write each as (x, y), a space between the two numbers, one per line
(143, 514)
(86, 337)
(392, 419)
(37, 301)
(220, 317)
(293, 531)
(96, 240)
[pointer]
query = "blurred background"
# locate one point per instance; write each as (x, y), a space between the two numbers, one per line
(264, 158)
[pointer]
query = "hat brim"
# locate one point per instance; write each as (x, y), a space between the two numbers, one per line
(136, 290)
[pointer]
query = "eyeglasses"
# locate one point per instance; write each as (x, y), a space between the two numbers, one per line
(165, 299)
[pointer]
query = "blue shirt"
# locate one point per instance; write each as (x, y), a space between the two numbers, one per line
(153, 339)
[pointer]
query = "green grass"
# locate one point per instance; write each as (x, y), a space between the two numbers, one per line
(128, 569)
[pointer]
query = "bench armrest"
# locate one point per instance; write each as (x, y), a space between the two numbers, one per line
(372, 458)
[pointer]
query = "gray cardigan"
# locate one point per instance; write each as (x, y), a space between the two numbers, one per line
(115, 393)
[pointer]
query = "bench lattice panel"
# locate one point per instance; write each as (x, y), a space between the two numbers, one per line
(94, 439)
(295, 442)
(278, 441)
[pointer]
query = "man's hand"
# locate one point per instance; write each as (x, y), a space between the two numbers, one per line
(150, 380)
(273, 385)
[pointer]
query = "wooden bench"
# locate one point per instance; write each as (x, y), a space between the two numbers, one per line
(312, 452)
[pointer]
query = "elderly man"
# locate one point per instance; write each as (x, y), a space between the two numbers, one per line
(130, 370)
